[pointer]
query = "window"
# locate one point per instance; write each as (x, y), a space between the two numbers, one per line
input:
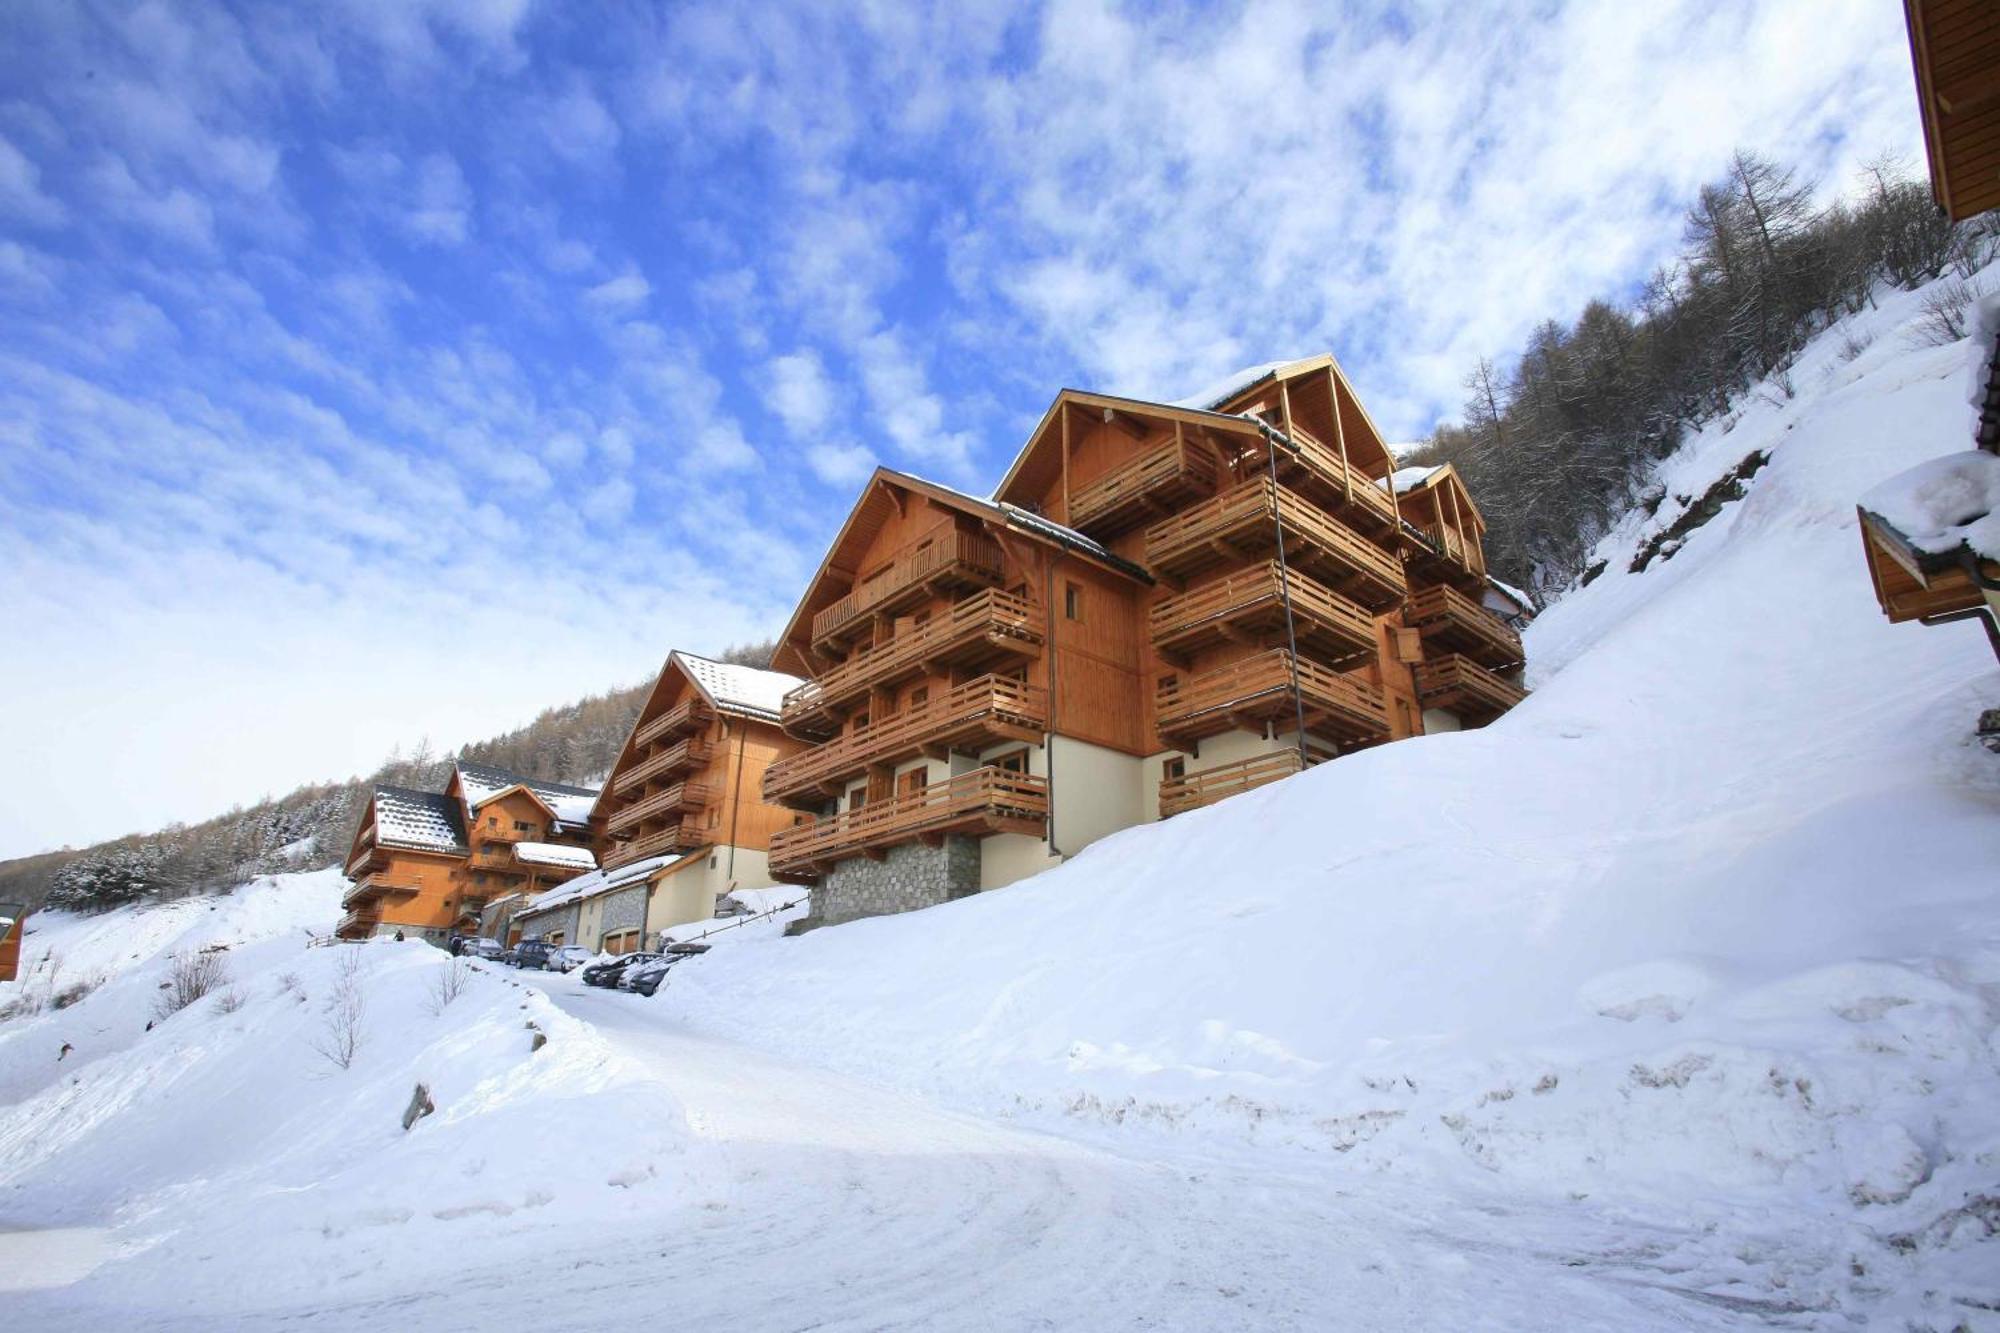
(913, 782)
(857, 798)
(1014, 761)
(523, 826)
(478, 877)
(860, 723)
(920, 619)
(1173, 770)
(492, 821)
(1168, 683)
(917, 697)
(1073, 601)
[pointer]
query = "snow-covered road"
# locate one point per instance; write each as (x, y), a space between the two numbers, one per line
(836, 1204)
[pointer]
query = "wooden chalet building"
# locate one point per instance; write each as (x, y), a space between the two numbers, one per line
(13, 926)
(685, 793)
(1162, 605)
(425, 864)
(1955, 47)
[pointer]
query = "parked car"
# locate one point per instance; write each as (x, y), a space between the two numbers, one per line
(485, 950)
(645, 978)
(530, 953)
(567, 959)
(607, 972)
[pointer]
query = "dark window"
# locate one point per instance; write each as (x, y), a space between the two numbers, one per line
(1014, 761)
(1072, 601)
(857, 798)
(860, 722)
(917, 696)
(1173, 770)
(523, 826)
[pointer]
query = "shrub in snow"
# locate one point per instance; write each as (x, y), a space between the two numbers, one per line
(1947, 314)
(340, 1034)
(190, 977)
(229, 1001)
(448, 983)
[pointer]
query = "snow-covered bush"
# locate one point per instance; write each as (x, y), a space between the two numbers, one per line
(190, 976)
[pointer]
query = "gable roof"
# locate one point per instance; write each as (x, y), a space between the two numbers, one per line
(596, 882)
(423, 821)
(1221, 407)
(737, 689)
(484, 782)
(863, 522)
(1417, 478)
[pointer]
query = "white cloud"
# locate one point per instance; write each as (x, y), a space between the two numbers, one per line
(840, 464)
(174, 212)
(442, 208)
(609, 502)
(579, 128)
(628, 289)
(800, 392)
(21, 193)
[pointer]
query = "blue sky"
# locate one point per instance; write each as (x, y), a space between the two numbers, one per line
(392, 369)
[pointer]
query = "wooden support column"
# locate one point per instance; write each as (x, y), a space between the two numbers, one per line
(1065, 463)
(1458, 521)
(1340, 441)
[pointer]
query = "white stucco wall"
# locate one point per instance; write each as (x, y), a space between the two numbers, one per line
(1437, 719)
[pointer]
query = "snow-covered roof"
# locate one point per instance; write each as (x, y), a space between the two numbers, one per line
(741, 688)
(482, 782)
(1228, 387)
(1030, 521)
(1943, 503)
(554, 854)
(1409, 478)
(422, 820)
(596, 882)
(1508, 592)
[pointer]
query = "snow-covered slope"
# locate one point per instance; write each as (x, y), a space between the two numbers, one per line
(1714, 916)
(228, 1129)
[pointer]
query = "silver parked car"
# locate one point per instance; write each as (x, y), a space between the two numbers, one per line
(567, 959)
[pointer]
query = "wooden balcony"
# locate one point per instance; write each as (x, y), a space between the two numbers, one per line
(690, 753)
(1455, 623)
(1438, 551)
(1258, 689)
(941, 559)
(691, 714)
(987, 625)
(1460, 685)
(371, 854)
(1357, 498)
(986, 800)
(680, 796)
(1240, 525)
(681, 836)
(1144, 487)
(979, 712)
(378, 889)
(356, 925)
(1194, 790)
(1251, 605)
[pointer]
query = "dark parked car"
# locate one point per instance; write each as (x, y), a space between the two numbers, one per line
(607, 973)
(646, 980)
(530, 953)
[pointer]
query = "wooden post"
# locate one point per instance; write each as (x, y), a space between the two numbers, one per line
(1340, 442)
(1065, 462)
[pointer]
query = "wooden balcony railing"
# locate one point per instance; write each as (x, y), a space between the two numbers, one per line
(1462, 686)
(942, 557)
(1259, 688)
(986, 800)
(1357, 496)
(356, 925)
(690, 753)
(687, 715)
(1449, 619)
(1194, 790)
(1240, 522)
(678, 837)
(987, 623)
(989, 708)
(680, 796)
(374, 888)
(1334, 628)
(1165, 475)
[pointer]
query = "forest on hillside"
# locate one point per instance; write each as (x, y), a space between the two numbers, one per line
(1559, 446)
(313, 825)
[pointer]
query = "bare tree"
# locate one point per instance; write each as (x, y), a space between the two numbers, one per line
(190, 976)
(340, 1031)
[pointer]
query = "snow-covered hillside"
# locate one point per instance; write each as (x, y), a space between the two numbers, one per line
(1668, 1000)
(1712, 921)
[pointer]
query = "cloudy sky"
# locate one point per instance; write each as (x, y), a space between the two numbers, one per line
(395, 369)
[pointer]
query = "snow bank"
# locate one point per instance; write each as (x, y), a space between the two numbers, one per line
(228, 1128)
(1712, 916)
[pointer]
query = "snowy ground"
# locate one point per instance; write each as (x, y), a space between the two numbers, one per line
(1668, 1001)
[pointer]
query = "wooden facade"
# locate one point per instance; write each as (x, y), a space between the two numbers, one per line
(13, 925)
(1206, 598)
(1955, 48)
(426, 864)
(691, 774)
